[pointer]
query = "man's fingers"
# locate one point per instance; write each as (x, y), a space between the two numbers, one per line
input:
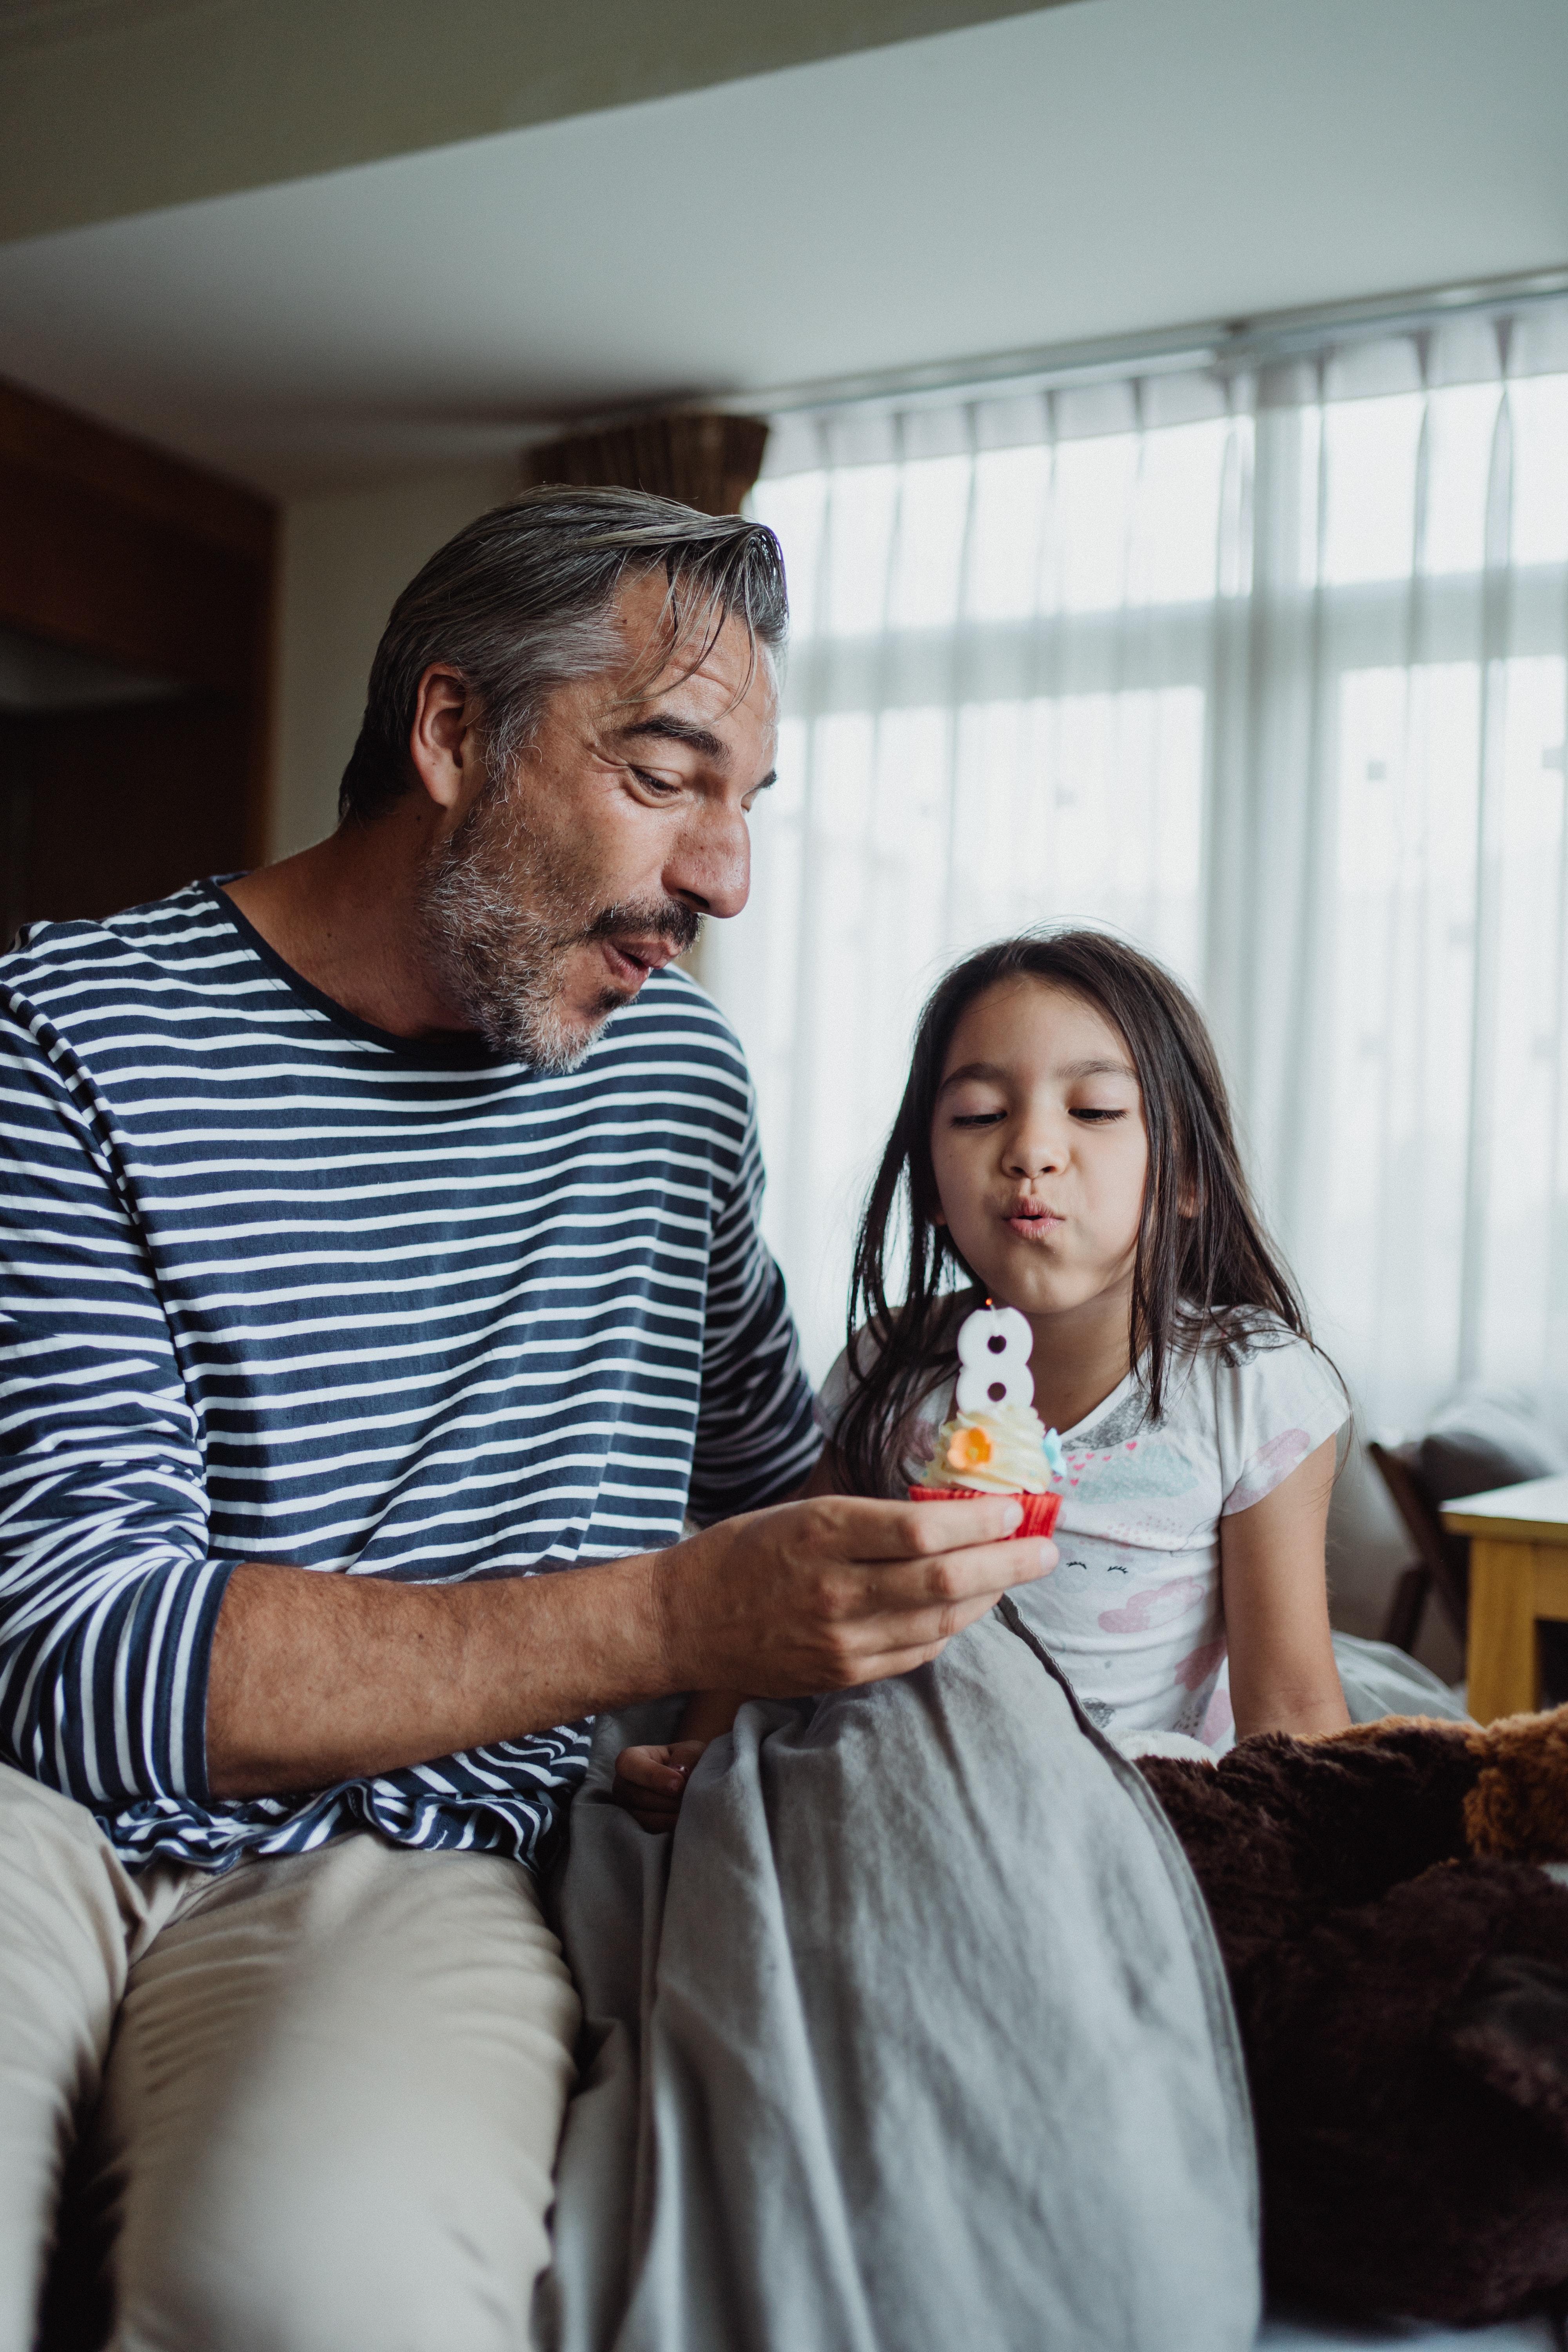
(982, 1572)
(870, 1530)
(897, 1645)
(916, 1606)
(815, 1593)
(922, 1629)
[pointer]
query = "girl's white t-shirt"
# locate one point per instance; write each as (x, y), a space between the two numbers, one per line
(1133, 1614)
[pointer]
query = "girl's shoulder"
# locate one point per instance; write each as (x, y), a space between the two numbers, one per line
(833, 1394)
(1271, 1396)
(855, 1363)
(1249, 1349)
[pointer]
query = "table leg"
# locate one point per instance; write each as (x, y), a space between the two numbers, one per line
(1503, 1653)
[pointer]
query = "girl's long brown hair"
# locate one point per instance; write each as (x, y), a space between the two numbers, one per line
(1202, 1259)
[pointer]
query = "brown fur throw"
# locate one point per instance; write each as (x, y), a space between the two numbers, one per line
(1400, 1968)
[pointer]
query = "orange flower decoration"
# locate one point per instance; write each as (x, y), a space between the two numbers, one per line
(967, 1449)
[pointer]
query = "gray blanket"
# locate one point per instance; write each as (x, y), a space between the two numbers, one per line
(913, 2038)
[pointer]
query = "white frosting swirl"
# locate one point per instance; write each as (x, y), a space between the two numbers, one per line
(1013, 1460)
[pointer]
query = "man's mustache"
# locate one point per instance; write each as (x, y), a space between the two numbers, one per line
(668, 920)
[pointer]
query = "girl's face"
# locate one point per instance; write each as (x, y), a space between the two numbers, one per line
(1039, 1148)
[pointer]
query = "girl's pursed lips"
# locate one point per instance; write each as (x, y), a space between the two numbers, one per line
(1033, 1220)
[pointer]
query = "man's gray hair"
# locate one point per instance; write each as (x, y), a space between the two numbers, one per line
(522, 601)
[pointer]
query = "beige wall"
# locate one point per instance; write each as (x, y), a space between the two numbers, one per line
(345, 557)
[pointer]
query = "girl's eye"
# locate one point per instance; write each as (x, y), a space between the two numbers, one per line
(1098, 1118)
(978, 1118)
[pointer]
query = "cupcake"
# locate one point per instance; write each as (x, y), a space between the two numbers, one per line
(1003, 1449)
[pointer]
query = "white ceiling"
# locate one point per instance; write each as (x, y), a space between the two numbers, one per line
(115, 107)
(1085, 171)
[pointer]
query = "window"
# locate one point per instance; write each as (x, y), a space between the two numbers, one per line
(1267, 671)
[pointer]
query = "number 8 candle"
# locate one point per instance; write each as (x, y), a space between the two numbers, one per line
(996, 1443)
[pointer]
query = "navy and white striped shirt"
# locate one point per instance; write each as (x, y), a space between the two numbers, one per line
(279, 1286)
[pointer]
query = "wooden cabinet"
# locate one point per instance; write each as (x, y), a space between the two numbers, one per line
(136, 609)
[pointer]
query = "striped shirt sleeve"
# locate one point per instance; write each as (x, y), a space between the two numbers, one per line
(756, 1438)
(108, 1597)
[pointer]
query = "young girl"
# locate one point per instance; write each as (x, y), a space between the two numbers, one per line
(1065, 1147)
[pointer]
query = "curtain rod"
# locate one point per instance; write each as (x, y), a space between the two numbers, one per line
(1216, 343)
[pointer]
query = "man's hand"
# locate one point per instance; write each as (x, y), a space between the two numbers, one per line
(817, 1596)
(322, 1678)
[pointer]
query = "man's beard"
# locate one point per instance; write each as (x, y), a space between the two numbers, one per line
(500, 912)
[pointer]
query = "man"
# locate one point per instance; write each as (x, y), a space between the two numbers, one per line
(382, 1239)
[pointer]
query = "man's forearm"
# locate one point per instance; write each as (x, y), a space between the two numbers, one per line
(320, 1678)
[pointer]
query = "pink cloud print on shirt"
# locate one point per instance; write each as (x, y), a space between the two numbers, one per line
(1269, 1467)
(1158, 1606)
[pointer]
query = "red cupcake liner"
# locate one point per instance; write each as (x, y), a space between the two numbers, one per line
(1040, 1511)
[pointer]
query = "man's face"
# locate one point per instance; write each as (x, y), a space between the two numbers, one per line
(552, 893)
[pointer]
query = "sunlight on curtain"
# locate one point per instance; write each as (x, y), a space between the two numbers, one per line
(1267, 671)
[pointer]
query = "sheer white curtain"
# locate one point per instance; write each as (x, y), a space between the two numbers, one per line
(1266, 669)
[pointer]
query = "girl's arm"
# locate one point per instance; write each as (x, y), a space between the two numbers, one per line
(1276, 1585)
(708, 1714)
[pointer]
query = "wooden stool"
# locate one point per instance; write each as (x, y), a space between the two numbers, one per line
(1519, 1573)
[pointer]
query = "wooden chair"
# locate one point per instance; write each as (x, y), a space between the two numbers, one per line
(1443, 1564)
